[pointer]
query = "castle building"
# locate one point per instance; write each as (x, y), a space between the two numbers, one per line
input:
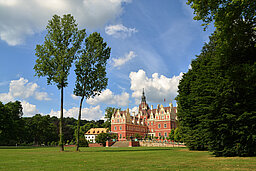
(91, 135)
(147, 122)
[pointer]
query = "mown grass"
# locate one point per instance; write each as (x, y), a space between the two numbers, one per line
(136, 158)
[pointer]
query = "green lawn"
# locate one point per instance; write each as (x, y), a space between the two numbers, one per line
(136, 158)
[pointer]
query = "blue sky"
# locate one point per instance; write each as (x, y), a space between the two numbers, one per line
(152, 42)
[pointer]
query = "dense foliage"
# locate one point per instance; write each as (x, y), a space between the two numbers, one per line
(11, 124)
(217, 106)
(38, 130)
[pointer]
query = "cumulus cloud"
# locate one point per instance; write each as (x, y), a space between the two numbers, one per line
(119, 31)
(75, 97)
(156, 88)
(117, 62)
(23, 89)
(92, 113)
(20, 18)
(108, 97)
(6, 97)
(28, 109)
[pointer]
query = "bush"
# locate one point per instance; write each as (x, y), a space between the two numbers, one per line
(53, 143)
(83, 142)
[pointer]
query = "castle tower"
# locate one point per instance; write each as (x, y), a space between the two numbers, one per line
(143, 105)
(143, 97)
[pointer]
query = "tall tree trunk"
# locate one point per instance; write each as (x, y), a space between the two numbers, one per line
(61, 120)
(78, 124)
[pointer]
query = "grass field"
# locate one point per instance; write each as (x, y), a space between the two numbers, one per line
(136, 158)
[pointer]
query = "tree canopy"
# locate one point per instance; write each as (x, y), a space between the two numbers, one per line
(11, 124)
(217, 108)
(91, 71)
(56, 55)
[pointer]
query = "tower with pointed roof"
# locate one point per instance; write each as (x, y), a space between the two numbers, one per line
(146, 122)
(143, 104)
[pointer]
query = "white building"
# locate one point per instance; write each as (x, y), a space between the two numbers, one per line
(93, 132)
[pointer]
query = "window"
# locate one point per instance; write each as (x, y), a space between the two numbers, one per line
(159, 125)
(120, 136)
(117, 120)
(152, 130)
(165, 134)
(120, 128)
(148, 124)
(152, 123)
(162, 117)
(159, 134)
(115, 127)
(165, 126)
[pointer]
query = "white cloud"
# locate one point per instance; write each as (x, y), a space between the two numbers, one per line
(28, 109)
(108, 97)
(117, 62)
(75, 97)
(134, 109)
(189, 67)
(119, 31)
(20, 18)
(92, 113)
(157, 88)
(6, 97)
(23, 89)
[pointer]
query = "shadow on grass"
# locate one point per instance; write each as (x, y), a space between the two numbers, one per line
(121, 149)
(22, 147)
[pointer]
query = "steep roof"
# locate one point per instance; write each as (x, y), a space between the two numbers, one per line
(96, 131)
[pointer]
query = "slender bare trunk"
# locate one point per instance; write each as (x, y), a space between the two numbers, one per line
(61, 120)
(78, 124)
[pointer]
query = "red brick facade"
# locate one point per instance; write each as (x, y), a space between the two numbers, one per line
(147, 122)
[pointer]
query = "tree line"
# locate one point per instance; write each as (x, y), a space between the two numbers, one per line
(39, 129)
(217, 97)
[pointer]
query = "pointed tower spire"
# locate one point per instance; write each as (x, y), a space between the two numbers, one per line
(143, 97)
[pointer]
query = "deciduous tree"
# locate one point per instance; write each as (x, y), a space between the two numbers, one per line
(217, 96)
(57, 54)
(91, 71)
